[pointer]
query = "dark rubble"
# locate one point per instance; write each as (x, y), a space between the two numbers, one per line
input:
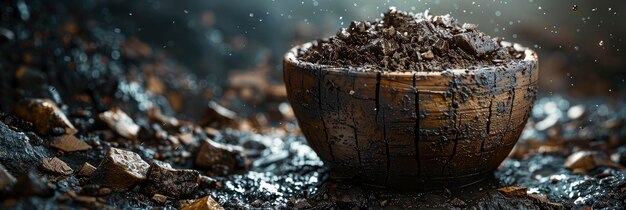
(87, 69)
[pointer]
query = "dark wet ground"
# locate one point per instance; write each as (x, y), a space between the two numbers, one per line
(87, 68)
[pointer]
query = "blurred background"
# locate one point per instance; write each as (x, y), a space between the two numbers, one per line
(580, 43)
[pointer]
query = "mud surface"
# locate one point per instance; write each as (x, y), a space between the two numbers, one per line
(87, 70)
(402, 41)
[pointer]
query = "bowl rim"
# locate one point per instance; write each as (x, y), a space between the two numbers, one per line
(291, 58)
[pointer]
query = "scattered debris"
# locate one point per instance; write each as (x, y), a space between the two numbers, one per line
(86, 170)
(220, 158)
(203, 203)
(163, 179)
(45, 115)
(120, 170)
(120, 122)
(584, 161)
(217, 116)
(159, 198)
(56, 166)
(513, 190)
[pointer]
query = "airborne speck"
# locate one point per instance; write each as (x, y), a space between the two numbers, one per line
(601, 43)
(574, 7)
(251, 15)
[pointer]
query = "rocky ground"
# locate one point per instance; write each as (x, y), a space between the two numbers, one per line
(90, 119)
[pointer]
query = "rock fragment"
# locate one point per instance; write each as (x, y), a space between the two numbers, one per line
(69, 143)
(185, 138)
(56, 166)
(45, 116)
(475, 43)
(120, 170)
(584, 161)
(159, 198)
(7, 181)
(619, 156)
(120, 122)
(513, 190)
(205, 203)
(428, 55)
(219, 158)
(155, 115)
(219, 117)
(163, 179)
(86, 170)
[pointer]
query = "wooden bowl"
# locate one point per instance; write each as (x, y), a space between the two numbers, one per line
(412, 129)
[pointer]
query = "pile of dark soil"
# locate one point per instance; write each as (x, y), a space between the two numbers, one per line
(410, 42)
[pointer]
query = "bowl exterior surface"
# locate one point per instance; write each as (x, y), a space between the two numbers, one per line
(412, 129)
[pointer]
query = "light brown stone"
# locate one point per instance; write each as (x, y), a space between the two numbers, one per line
(120, 170)
(120, 122)
(44, 114)
(219, 158)
(86, 170)
(159, 198)
(513, 190)
(217, 116)
(205, 203)
(56, 166)
(69, 143)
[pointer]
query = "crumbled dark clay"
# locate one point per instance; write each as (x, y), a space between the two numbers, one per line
(404, 41)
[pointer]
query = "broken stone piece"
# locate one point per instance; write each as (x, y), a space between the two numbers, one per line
(163, 179)
(69, 143)
(155, 115)
(582, 160)
(619, 156)
(159, 198)
(428, 55)
(6, 180)
(219, 117)
(219, 158)
(585, 161)
(120, 170)
(44, 114)
(185, 138)
(445, 21)
(475, 43)
(30, 184)
(56, 166)
(513, 190)
(204, 203)
(120, 122)
(86, 170)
